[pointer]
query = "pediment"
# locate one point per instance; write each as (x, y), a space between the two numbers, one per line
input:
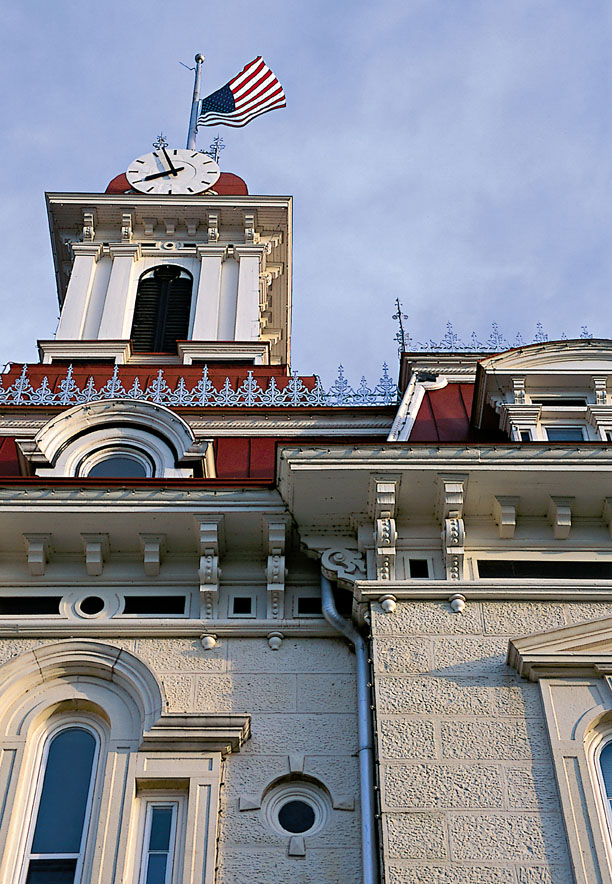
(582, 356)
(581, 649)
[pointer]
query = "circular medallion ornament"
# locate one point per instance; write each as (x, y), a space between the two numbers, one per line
(166, 170)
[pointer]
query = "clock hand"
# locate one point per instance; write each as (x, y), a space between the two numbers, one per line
(161, 174)
(173, 171)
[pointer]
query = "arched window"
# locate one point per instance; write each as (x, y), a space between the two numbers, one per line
(605, 768)
(56, 842)
(117, 462)
(163, 305)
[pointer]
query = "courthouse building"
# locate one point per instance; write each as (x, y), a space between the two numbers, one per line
(255, 631)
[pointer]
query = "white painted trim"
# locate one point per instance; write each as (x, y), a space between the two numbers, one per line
(408, 410)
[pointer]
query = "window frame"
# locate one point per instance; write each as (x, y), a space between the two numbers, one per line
(603, 740)
(147, 802)
(162, 307)
(66, 722)
(546, 426)
(106, 452)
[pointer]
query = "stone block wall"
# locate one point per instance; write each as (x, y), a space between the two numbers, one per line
(302, 701)
(468, 790)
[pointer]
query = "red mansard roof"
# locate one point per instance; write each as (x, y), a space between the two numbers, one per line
(445, 416)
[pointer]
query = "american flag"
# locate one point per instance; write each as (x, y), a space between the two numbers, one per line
(254, 91)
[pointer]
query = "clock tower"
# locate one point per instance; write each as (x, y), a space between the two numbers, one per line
(174, 263)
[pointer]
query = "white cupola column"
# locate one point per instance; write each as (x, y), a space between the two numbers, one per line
(116, 322)
(78, 294)
(206, 316)
(247, 311)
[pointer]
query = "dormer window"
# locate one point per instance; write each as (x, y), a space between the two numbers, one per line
(118, 439)
(162, 310)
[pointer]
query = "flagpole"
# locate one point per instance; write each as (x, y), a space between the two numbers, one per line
(193, 119)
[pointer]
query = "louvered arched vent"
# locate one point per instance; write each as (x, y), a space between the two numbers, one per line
(161, 314)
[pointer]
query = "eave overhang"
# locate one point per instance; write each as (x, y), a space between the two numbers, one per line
(331, 484)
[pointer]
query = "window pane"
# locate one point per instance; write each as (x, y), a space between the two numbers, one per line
(296, 816)
(156, 869)
(565, 434)
(605, 761)
(51, 871)
(63, 801)
(119, 466)
(161, 826)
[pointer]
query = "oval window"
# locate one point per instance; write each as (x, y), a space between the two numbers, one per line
(296, 807)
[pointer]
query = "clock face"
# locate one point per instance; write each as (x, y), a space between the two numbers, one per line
(167, 170)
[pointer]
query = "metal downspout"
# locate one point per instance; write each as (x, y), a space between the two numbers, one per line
(365, 732)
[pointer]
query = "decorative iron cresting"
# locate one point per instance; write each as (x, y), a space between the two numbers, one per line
(452, 342)
(248, 394)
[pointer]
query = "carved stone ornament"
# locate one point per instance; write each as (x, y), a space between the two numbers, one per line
(209, 571)
(153, 549)
(213, 227)
(38, 551)
(250, 232)
(126, 227)
(600, 386)
(96, 550)
(560, 516)
(388, 603)
(382, 495)
(518, 389)
(275, 570)
(344, 565)
(89, 231)
(453, 536)
(275, 640)
(504, 513)
(457, 603)
(452, 496)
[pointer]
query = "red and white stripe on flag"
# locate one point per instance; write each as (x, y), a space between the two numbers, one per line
(255, 90)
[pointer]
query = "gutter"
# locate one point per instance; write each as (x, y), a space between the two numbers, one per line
(365, 732)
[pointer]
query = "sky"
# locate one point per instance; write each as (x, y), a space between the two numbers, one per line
(454, 154)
